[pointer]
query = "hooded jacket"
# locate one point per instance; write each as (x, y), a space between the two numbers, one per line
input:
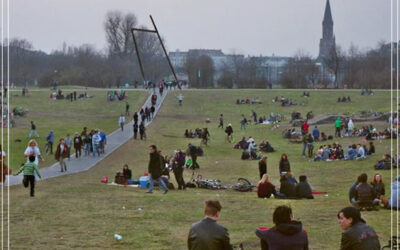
(285, 236)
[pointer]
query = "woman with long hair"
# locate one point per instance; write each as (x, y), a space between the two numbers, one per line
(284, 164)
(378, 185)
(265, 188)
(33, 149)
(262, 166)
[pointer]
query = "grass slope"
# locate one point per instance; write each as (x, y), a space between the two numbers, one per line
(76, 211)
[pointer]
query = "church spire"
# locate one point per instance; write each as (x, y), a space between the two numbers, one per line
(328, 14)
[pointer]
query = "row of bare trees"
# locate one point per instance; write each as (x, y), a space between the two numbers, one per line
(354, 68)
(88, 66)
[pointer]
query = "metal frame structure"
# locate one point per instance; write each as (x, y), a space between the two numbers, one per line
(162, 45)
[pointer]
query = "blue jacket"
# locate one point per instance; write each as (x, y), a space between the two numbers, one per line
(315, 133)
(50, 136)
(395, 193)
(103, 137)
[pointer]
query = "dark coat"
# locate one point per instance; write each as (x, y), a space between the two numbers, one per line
(379, 190)
(262, 168)
(284, 166)
(78, 142)
(58, 153)
(360, 236)
(155, 168)
(286, 236)
(208, 234)
(364, 194)
(288, 189)
(303, 190)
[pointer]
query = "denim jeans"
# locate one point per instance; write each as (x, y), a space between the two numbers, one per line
(96, 149)
(87, 149)
(303, 153)
(33, 132)
(160, 181)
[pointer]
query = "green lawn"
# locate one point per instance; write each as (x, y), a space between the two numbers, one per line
(63, 117)
(76, 211)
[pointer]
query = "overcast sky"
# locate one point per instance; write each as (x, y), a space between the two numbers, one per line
(251, 27)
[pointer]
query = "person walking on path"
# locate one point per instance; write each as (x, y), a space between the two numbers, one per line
(103, 141)
(338, 125)
(96, 143)
(135, 130)
(86, 143)
(68, 142)
(30, 169)
(135, 117)
(50, 142)
(78, 143)
(61, 154)
(142, 131)
(155, 169)
(127, 109)
(33, 131)
(180, 99)
(152, 110)
(147, 112)
(229, 133)
(122, 122)
(221, 121)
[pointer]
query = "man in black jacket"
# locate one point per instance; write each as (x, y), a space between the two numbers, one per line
(155, 170)
(356, 234)
(207, 233)
(303, 189)
(78, 144)
(364, 193)
(192, 150)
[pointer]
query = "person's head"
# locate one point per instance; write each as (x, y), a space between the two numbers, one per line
(377, 179)
(264, 158)
(76, 134)
(349, 216)
(283, 157)
(32, 158)
(353, 146)
(152, 149)
(316, 127)
(282, 214)
(363, 178)
(265, 178)
(125, 167)
(212, 208)
(32, 143)
(371, 143)
(62, 141)
(302, 178)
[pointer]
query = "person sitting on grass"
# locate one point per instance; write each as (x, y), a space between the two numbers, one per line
(287, 188)
(351, 153)
(364, 193)
(379, 187)
(392, 202)
(265, 188)
(360, 152)
(29, 170)
(126, 172)
(286, 234)
(371, 148)
(385, 163)
(318, 155)
(356, 234)
(303, 189)
(352, 191)
(207, 233)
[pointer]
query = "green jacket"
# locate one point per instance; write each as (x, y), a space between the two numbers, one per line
(29, 169)
(338, 123)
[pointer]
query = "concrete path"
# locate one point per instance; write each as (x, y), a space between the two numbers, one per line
(114, 141)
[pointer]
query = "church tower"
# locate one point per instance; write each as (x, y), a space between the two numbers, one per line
(327, 42)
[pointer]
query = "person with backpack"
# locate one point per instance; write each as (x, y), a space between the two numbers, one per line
(29, 170)
(229, 132)
(192, 152)
(155, 169)
(179, 163)
(78, 143)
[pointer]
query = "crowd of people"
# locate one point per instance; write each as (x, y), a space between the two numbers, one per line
(336, 152)
(115, 96)
(249, 101)
(344, 99)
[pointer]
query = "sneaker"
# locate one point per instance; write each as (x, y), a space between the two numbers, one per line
(166, 191)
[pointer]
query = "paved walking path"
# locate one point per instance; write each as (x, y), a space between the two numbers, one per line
(114, 141)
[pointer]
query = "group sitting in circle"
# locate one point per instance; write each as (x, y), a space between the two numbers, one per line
(336, 152)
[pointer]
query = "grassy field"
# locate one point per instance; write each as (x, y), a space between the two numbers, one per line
(63, 117)
(77, 211)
